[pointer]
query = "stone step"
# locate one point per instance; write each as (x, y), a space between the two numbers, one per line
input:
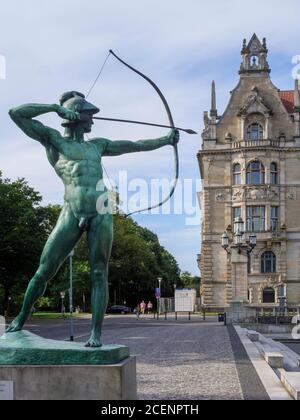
(253, 336)
(291, 382)
(274, 359)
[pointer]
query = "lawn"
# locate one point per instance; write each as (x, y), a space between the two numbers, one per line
(54, 315)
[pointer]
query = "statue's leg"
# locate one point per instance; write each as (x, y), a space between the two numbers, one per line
(59, 245)
(100, 237)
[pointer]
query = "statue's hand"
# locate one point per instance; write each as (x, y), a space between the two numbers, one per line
(67, 114)
(174, 137)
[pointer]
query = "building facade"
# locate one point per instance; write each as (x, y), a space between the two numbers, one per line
(250, 167)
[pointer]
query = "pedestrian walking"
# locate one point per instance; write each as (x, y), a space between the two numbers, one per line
(137, 311)
(149, 307)
(142, 307)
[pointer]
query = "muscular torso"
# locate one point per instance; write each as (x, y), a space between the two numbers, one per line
(79, 167)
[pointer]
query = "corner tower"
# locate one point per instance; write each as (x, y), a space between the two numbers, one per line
(249, 164)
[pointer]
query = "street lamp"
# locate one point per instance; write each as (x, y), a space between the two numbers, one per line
(237, 239)
(158, 300)
(238, 225)
(239, 248)
(62, 295)
(225, 240)
(253, 240)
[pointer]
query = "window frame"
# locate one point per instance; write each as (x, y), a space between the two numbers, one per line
(237, 174)
(250, 173)
(251, 216)
(274, 174)
(274, 218)
(268, 289)
(251, 131)
(268, 257)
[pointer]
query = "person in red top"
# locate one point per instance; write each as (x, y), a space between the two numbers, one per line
(143, 307)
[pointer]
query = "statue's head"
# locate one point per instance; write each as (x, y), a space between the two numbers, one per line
(75, 101)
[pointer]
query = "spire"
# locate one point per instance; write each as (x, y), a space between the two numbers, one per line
(254, 56)
(213, 111)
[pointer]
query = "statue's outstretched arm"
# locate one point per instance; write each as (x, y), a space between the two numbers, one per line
(120, 147)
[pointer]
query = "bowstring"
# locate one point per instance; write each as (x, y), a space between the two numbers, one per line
(98, 75)
(88, 94)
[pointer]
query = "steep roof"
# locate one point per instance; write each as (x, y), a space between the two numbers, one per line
(287, 98)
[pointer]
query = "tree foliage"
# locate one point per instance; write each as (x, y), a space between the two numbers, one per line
(137, 258)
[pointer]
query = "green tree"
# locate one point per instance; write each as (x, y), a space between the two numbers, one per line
(189, 281)
(137, 258)
(24, 228)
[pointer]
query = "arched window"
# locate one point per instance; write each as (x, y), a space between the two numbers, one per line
(237, 174)
(255, 132)
(254, 61)
(274, 173)
(255, 173)
(269, 295)
(268, 262)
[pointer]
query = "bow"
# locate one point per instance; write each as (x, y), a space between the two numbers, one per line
(172, 125)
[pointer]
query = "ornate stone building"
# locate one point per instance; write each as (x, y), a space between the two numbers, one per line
(250, 167)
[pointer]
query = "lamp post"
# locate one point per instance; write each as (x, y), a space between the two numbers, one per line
(175, 287)
(158, 300)
(62, 296)
(239, 248)
(71, 297)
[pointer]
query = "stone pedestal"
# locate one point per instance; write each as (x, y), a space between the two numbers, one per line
(34, 368)
(239, 275)
(110, 382)
(240, 313)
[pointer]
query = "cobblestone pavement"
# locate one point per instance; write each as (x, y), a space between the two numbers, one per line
(183, 360)
(186, 359)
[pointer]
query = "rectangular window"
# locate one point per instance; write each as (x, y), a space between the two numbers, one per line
(274, 218)
(237, 212)
(256, 219)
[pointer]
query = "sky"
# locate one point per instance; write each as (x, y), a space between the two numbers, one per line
(54, 46)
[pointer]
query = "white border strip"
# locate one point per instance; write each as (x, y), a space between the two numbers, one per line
(268, 377)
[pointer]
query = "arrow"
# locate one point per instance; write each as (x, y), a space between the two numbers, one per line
(186, 130)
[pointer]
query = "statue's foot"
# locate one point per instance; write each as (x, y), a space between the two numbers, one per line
(16, 325)
(94, 341)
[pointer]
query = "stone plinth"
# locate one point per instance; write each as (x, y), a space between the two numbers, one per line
(34, 368)
(109, 382)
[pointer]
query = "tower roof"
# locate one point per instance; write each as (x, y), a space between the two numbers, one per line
(254, 46)
(254, 56)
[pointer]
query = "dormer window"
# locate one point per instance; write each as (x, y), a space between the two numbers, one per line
(255, 132)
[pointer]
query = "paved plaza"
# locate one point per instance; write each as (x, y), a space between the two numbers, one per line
(182, 359)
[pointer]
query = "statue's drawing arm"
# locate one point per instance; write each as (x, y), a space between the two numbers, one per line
(24, 116)
(120, 147)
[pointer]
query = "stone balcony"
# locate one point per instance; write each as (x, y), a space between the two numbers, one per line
(245, 144)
